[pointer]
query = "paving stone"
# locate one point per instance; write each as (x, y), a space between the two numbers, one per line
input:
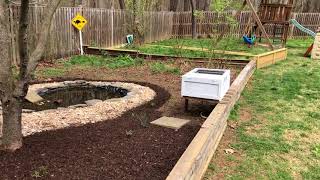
(33, 97)
(78, 106)
(170, 122)
(93, 102)
(27, 111)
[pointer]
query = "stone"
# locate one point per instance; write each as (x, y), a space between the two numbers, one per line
(115, 99)
(229, 151)
(93, 102)
(170, 122)
(61, 108)
(75, 83)
(78, 106)
(33, 97)
(27, 111)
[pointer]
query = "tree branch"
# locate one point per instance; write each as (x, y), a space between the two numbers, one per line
(43, 37)
(23, 40)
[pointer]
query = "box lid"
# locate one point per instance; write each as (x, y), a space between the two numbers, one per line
(203, 75)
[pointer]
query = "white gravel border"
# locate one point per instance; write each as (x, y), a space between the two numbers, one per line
(64, 117)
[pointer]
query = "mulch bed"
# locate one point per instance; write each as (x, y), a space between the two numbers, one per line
(116, 149)
(102, 150)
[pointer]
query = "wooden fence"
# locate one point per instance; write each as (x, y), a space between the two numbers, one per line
(105, 28)
(108, 28)
(215, 23)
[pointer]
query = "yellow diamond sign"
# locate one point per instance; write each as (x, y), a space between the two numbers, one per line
(79, 22)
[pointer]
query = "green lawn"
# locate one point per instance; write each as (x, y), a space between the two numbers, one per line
(227, 44)
(281, 137)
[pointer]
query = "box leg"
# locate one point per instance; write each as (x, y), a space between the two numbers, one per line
(186, 104)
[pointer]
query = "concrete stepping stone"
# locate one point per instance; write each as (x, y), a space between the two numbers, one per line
(93, 102)
(170, 122)
(33, 97)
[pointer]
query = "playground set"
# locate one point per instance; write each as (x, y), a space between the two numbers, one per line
(268, 13)
(316, 46)
(278, 14)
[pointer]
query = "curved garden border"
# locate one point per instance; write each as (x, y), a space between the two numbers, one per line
(77, 115)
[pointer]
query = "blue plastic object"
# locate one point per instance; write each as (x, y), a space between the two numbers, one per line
(249, 40)
(302, 28)
(130, 39)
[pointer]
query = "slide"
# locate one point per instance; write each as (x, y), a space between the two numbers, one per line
(299, 26)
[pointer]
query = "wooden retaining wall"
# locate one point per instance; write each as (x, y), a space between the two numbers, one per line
(195, 160)
(269, 58)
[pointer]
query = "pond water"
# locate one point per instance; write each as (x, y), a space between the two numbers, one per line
(74, 95)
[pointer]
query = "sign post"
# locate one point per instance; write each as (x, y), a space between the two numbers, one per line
(79, 22)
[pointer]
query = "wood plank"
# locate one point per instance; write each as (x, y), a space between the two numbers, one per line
(206, 50)
(194, 161)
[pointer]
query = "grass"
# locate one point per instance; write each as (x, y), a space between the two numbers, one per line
(89, 61)
(52, 72)
(100, 61)
(231, 44)
(281, 140)
(159, 67)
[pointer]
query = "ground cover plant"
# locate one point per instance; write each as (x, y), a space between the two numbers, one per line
(105, 61)
(274, 128)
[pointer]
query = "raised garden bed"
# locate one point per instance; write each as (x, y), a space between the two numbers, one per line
(127, 147)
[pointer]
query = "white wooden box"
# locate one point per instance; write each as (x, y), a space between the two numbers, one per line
(204, 83)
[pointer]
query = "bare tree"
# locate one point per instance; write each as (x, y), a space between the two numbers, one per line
(122, 4)
(186, 5)
(173, 5)
(193, 19)
(207, 4)
(13, 90)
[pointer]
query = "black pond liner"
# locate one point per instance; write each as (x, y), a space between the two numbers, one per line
(74, 95)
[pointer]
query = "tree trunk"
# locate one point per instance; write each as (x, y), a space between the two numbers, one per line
(193, 19)
(6, 88)
(173, 5)
(122, 4)
(186, 5)
(207, 5)
(12, 91)
(11, 133)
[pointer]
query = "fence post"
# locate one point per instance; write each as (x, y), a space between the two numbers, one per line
(112, 26)
(294, 16)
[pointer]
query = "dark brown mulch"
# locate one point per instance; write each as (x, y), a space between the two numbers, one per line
(103, 150)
